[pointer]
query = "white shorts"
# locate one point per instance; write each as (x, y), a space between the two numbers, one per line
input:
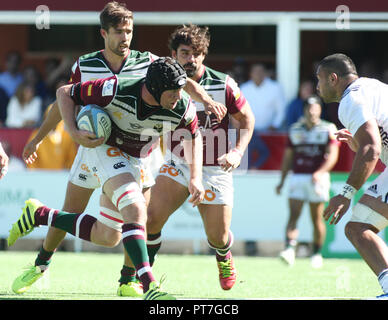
(217, 183)
(362, 213)
(301, 187)
(92, 167)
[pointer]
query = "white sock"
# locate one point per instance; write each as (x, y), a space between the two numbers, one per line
(383, 280)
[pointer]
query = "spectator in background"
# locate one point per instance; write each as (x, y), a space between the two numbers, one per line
(3, 162)
(295, 108)
(24, 108)
(56, 152)
(3, 106)
(267, 101)
(55, 71)
(11, 78)
(14, 163)
(239, 70)
(311, 154)
(32, 76)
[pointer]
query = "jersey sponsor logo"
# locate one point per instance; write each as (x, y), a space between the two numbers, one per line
(119, 165)
(116, 152)
(107, 88)
(85, 167)
(373, 188)
(170, 170)
(384, 137)
(209, 195)
(82, 177)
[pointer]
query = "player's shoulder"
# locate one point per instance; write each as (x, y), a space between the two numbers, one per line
(90, 56)
(213, 77)
(136, 56)
(128, 85)
(361, 88)
(298, 125)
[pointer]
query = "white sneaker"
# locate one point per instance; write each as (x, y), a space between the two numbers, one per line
(316, 261)
(288, 256)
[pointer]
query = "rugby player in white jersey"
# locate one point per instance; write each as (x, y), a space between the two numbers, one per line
(189, 45)
(311, 153)
(116, 58)
(363, 112)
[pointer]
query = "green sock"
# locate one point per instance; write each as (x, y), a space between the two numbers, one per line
(154, 242)
(135, 245)
(128, 274)
(43, 259)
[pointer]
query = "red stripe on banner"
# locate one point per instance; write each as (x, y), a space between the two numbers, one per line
(125, 193)
(110, 217)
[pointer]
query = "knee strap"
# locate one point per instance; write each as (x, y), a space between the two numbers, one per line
(126, 195)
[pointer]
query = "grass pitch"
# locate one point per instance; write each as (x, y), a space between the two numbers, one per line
(94, 276)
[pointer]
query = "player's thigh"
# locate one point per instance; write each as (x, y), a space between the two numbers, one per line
(216, 220)
(167, 196)
(147, 195)
(77, 198)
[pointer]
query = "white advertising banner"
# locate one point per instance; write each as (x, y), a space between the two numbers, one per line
(258, 214)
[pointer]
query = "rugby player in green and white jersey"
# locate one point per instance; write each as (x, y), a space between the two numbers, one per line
(116, 59)
(189, 45)
(141, 110)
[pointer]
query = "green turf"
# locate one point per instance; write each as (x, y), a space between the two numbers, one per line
(94, 276)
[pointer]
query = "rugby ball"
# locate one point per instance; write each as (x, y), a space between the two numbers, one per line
(94, 119)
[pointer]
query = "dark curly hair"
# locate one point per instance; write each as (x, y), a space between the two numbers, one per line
(192, 35)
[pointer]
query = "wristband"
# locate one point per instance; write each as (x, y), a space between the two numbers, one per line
(237, 151)
(348, 191)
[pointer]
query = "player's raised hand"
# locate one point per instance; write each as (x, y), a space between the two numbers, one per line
(336, 209)
(29, 154)
(344, 135)
(230, 160)
(217, 108)
(197, 192)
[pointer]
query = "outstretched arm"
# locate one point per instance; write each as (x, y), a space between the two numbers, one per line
(368, 140)
(49, 123)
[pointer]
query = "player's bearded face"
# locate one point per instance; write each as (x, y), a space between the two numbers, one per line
(191, 69)
(190, 60)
